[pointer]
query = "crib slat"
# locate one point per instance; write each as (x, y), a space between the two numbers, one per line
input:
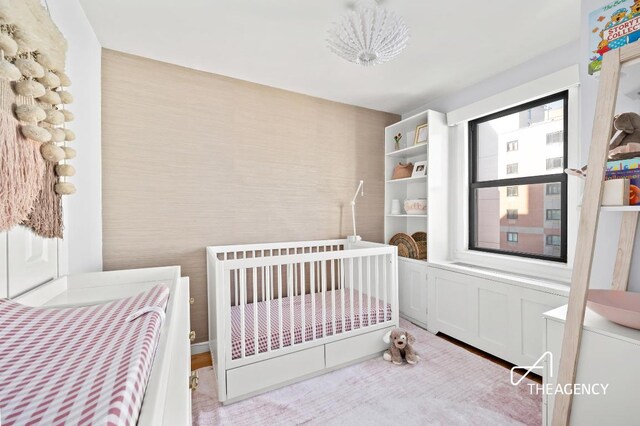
(385, 280)
(343, 313)
(323, 274)
(333, 297)
(290, 288)
(254, 280)
(263, 284)
(302, 297)
(377, 290)
(281, 341)
(243, 287)
(368, 290)
(360, 291)
(236, 285)
(312, 286)
(295, 279)
(351, 286)
(268, 287)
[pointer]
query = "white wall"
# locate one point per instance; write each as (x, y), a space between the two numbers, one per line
(572, 53)
(83, 210)
(538, 67)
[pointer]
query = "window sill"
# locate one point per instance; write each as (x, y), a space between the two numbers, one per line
(560, 288)
(554, 272)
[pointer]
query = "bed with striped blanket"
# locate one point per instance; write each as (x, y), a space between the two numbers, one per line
(84, 365)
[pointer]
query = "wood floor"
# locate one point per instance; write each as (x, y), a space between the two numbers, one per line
(201, 360)
(204, 359)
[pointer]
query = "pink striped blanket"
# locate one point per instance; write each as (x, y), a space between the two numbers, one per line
(81, 366)
(373, 312)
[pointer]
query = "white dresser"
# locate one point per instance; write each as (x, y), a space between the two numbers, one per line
(610, 355)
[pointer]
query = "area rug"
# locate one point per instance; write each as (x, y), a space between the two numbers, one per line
(449, 386)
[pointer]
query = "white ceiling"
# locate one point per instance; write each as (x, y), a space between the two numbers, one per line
(281, 43)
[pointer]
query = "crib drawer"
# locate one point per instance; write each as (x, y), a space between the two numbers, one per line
(264, 374)
(353, 348)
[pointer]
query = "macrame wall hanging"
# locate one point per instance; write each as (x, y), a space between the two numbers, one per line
(34, 137)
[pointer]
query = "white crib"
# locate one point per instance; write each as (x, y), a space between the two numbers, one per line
(282, 312)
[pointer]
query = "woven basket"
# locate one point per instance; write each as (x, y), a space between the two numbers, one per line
(407, 246)
(421, 241)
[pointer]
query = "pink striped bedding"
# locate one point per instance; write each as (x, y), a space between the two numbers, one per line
(87, 365)
(372, 309)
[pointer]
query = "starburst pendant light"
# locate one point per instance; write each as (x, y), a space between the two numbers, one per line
(368, 35)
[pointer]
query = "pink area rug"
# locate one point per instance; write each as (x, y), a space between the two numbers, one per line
(450, 386)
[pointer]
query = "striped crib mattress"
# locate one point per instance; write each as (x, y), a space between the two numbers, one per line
(86, 365)
(373, 312)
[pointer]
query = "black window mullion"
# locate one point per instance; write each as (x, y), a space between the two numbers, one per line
(561, 178)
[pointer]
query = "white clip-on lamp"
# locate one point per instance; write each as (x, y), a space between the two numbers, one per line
(355, 237)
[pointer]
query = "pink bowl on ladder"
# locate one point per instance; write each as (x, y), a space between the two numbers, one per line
(621, 307)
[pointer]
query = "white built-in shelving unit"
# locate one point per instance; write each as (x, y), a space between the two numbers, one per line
(434, 187)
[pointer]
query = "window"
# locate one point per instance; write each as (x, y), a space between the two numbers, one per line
(555, 137)
(553, 188)
(554, 163)
(553, 240)
(512, 146)
(554, 214)
(520, 189)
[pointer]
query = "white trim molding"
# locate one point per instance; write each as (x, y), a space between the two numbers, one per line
(561, 272)
(199, 348)
(552, 83)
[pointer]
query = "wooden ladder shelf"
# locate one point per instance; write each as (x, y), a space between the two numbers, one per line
(590, 213)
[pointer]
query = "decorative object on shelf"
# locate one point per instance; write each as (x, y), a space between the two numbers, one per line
(395, 206)
(368, 35)
(419, 169)
(402, 171)
(422, 134)
(355, 237)
(621, 307)
(421, 240)
(32, 121)
(415, 206)
(624, 145)
(397, 139)
(407, 246)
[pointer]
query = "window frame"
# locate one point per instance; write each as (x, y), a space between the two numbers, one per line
(515, 191)
(547, 211)
(554, 133)
(552, 160)
(512, 216)
(474, 184)
(512, 233)
(548, 185)
(550, 236)
(512, 144)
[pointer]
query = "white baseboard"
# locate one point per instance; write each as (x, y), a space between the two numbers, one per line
(199, 348)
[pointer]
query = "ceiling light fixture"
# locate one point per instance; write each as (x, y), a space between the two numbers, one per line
(368, 35)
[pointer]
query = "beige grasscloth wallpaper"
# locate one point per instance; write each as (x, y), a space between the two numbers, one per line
(191, 159)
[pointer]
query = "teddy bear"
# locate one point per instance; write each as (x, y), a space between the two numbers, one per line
(625, 142)
(400, 348)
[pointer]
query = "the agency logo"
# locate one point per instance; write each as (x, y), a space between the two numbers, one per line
(550, 388)
(537, 367)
